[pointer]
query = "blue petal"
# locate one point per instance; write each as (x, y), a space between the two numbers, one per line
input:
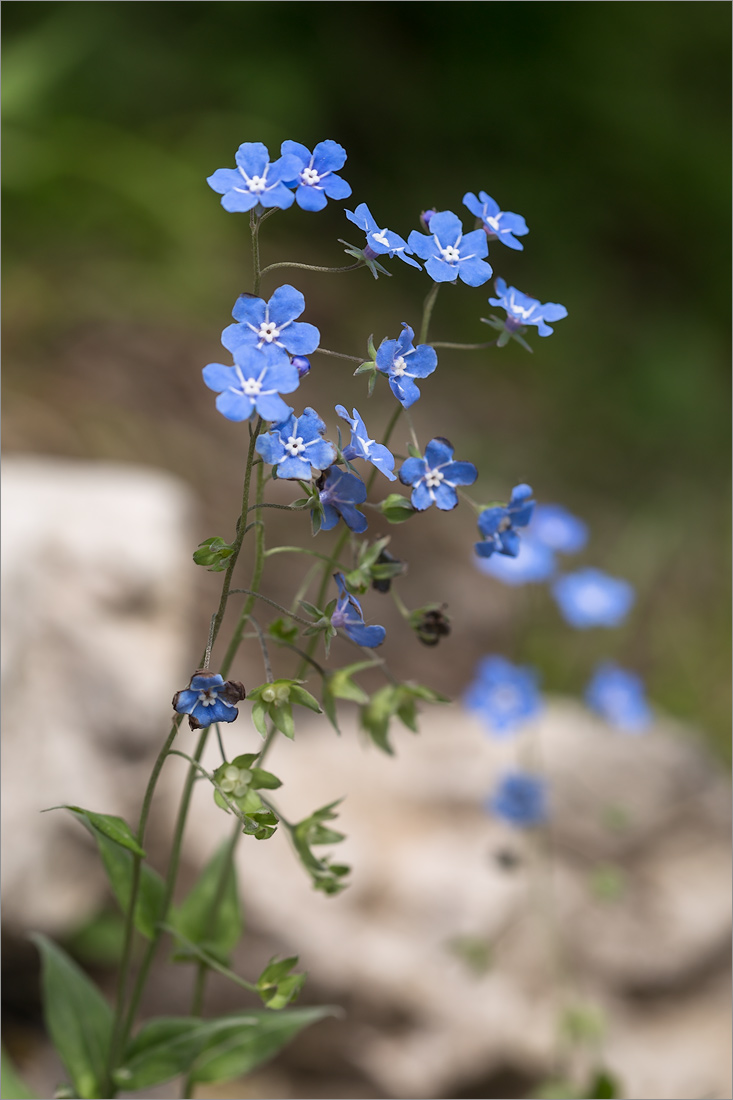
(186, 701)
(553, 311)
(440, 271)
(284, 169)
(336, 188)
(277, 196)
(301, 338)
(368, 636)
(234, 406)
(282, 376)
(273, 354)
(485, 549)
(270, 447)
(362, 217)
(286, 304)
(206, 680)
(250, 310)
(489, 520)
(386, 354)
(404, 390)
(422, 361)
(446, 498)
(224, 179)
(473, 204)
(330, 517)
(253, 157)
(438, 452)
(271, 407)
(475, 243)
(405, 339)
(408, 259)
(310, 198)
(328, 156)
(310, 423)
(353, 518)
(420, 497)
(218, 377)
(460, 473)
(222, 712)
(446, 226)
(321, 455)
(238, 202)
(235, 337)
(510, 543)
(343, 413)
(412, 470)
(294, 148)
(423, 245)
(381, 457)
(475, 272)
(294, 466)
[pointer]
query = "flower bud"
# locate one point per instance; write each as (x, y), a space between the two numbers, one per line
(430, 624)
(276, 693)
(425, 218)
(301, 364)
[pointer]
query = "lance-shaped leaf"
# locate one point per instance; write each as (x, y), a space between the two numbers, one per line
(210, 916)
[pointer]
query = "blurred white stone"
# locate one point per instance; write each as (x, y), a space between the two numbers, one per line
(96, 586)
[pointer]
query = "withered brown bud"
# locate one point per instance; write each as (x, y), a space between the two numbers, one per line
(433, 626)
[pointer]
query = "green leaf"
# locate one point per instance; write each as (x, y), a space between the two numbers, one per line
(341, 685)
(162, 1049)
(215, 553)
(283, 719)
(304, 698)
(277, 986)
(194, 918)
(12, 1086)
(239, 1045)
(78, 1019)
(604, 1086)
(396, 508)
(259, 713)
(283, 630)
(310, 831)
(109, 825)
(264, 780)
(413, 451)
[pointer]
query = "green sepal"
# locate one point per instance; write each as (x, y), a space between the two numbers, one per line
(505, 334)
(369, 568)
(214, 553)
(277, 986)
(371, 348)
(194, 918)
(282, 718)
(396, 508)
(304, 698)
(358, 254)
(341, 685)
(262, 780)
(259, 713)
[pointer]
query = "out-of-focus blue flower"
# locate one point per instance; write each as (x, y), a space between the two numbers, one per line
(619, 696)
(361, 446)
(533, 564)
(340, 494)
(497, 525)
(503, 695)
(592, 598)
(519, 798)
(558, 529)
(252, 384)
(521, 310)
(435, 477)
(450, 253)
(270, 327)
(348, 617)
(296, 444)
(380, 242)
(302, 365)
(314, 178)
(254, 180)
(402, 362)
(499, 224)
(209, 698)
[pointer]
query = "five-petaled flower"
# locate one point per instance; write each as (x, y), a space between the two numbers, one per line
(348, 616)
(450, 253)
(380, 242)
(252, 384)
(618, 695)
(498, 224)
(209, 698)
(519, 798)
(361, 446)
(270, 327)
(497, 525)
(435, 477)
(521, 310)
(255, 180)
(402, 362)
(592, 598)
(558, 529)
(503, 695)
(296, 446)
(315, 178)
(339, 495)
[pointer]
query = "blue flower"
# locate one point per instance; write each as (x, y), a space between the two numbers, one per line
(270, 327)
(296, 445)
(254, 180)
(302, 365)
(252, 384)
(592, 598)
(403, 363)
(522, 310)
(558, 529)
(361, 446)
(379, 242)
(534, 563)
(340, 494)
(450, 253)
(503, 695)
(619, 697)
(499, 224)
(209, 698)
(497, 525)
(519, 798)
(348, 617)
(435, 477)
(314, 178)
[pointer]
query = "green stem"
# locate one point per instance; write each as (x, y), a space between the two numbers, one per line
(312, 267)
(296, 550)
(427, 311)
(339, 355)
(464, 347)
(272, 603)
(254, 226)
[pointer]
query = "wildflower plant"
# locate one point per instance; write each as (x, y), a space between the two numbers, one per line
(336, 486)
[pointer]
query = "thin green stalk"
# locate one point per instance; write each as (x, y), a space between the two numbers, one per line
(339, 355)
(296, 550)
(464, 347)
(312, 267)
(427, 311)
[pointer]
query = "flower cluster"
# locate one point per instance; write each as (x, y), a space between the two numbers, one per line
(296, 176)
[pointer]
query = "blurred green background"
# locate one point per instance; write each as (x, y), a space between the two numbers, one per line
(605, 124)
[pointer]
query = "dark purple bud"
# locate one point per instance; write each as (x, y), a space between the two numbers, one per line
(301, 364)
(425, 218)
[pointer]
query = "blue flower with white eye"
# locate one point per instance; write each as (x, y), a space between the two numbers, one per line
(558, 529)
(402, 362)
(315, 176)
(270, 327)
(348, 617)
(503, 695)
(361, 446)
(296, 446)
(450, 253)
(519, 798)
(209, 698)
(500, 225)
(340, 494)
(252, 384)
(521, 310)
(497, 525)
(254, 180)
(380, 242)
(435, 477)
(592, 598)
(619, 697)
(533, 564)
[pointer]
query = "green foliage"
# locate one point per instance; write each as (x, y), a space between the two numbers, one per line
(211, 916)
(275, 701)
(12, 1086)
(322, 622)
(395, 700)
(601, 1086)
(327, 877)
(277, 986)
(108, 825)
(215, 553)
(368, 567)
(396, 508)
(78, 1019)
(283, 631)
(340, 685)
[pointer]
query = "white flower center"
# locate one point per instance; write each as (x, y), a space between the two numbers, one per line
(268, 331)
(399, 367)
(251, 387)
(592, 599)
(521, 311)
(381, 237)
(309, 177)
(294, 445)
(207, 698)
(451, 255)
(257, 184)
(433, 478)
(505, 698)
(493, 223)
